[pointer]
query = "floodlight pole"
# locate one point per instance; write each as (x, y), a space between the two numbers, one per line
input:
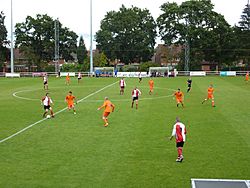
(57, 66)
(91, 41)
(11, 48)
(187, 50)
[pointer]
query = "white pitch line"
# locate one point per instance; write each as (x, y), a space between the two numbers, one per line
(116, 100)
(126, 100)
(28, 127)
(24, 98)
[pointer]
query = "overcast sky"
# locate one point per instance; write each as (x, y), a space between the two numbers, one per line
(74, 14)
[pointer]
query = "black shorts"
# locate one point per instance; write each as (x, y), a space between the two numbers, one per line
(179, 144)
(46, 107)
(122, 87)
(140, 79)
(79, 78)
(45, 83)
(189, 86)
(135, 98)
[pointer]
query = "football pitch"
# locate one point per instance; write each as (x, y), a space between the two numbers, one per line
(134, 150)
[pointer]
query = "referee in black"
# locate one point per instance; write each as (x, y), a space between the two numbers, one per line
(189, 83)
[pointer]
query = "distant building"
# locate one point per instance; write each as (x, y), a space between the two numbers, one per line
(209, 66)
(21, 62)
(167, 56)
(95, 51)
(60, 61)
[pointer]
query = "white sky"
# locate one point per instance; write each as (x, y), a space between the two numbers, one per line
(74, 14)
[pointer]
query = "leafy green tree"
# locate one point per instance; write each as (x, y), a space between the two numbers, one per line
(245, 18)
(3, 40)
(128, 35)
(81, 51)
(100, 60)
(243, 32)
(69, 68)
(67, 43)
(35, 37)
(3, 30)
(86, 65)
(145, 66)
(194, 21)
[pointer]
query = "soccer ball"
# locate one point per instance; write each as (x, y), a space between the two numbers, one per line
(48, 116)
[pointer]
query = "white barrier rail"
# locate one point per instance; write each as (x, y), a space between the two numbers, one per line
(197, 73)
(12, 75)
(63, 74)
(128, 74)
(131, 74)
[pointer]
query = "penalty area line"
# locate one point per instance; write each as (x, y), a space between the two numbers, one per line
(30, 126)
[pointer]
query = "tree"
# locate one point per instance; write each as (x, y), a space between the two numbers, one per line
(3, 30)
(3, 40)
(100, 60)
(81, 51)
(128, 35)
(195, 22)
(35, 37)
(243, 32)
(245, 18)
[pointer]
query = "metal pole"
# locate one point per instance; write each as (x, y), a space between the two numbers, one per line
(187, 50)
(57, 54)
(91, 41)
(187, 55)
(12, 51)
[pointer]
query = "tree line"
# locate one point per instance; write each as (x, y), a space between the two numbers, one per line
(129, 35)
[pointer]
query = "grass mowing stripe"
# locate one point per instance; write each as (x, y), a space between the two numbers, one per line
(28, 127)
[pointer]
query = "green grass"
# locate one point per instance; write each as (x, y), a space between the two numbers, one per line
(77, 151)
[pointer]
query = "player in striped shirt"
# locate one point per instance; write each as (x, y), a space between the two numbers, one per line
(122, 84)
(79, 77)
(45, 82)
(47, 102)
(135, 97)
(179, 132)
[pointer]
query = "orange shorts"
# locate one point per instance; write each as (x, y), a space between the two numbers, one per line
(179, 100)
(106, 114)
(210, 96)
(151, 88)
(70, 106)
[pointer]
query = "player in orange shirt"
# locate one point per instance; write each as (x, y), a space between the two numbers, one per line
(210, 95)
(179, 96)
(70, 101)
(151, 86)
(67, 79)
(108, 108)
(247, 76)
